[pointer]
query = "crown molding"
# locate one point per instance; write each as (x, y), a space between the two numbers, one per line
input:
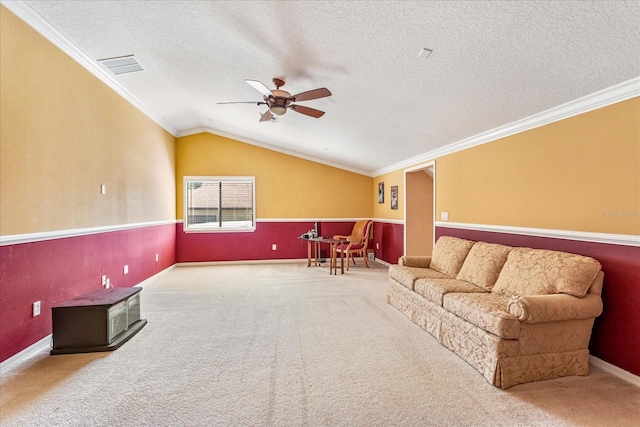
(617, 93)
(205, 129)
(583, 236)
(23, 11)
(611, 95)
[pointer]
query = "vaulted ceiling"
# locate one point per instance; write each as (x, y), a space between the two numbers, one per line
(492, 64)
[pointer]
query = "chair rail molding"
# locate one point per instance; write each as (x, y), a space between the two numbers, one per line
(584, 236)
(15, 239)
(389, 221)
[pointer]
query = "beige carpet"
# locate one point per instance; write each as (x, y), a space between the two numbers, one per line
(287, 345)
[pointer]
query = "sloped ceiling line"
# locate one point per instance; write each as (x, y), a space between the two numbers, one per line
(614, 94)
(49, 32)
(617, 93)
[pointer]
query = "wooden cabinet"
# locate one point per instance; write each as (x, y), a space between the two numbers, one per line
(101, 320)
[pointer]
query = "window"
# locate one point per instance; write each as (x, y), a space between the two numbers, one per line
(222, 203)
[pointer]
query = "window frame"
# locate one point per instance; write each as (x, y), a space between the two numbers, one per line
(247, 179)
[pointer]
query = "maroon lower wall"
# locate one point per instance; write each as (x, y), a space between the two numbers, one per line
(202, 247)
(389, 238)
(53, 271)
(616, 333)
(250, 246)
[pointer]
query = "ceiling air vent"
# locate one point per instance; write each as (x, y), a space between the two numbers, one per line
(122, 64)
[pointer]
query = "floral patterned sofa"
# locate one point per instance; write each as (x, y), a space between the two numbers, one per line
(515, 314)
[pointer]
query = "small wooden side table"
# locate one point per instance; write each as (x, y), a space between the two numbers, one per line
(313, 247)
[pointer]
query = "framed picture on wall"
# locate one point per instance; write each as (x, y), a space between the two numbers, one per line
(394, 197)
(381, 192)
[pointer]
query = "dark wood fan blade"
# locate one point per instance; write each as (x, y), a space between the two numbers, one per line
(266, 116)
(311, 94)
(260, 87)
(307, 111)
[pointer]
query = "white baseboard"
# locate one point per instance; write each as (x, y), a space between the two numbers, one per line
(385, 263)
(261, 261)
(614, 370)
(155, 277)
(46, 341)
(258, 261)
(32, 350)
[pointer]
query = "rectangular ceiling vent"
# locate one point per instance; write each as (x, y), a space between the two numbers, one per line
(122, 64)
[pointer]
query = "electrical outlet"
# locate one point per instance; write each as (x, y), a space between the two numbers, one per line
(103, 189)
(444, 216)
(36, 308)
(104, 281)
(126, 269)
(377, 245)
(157, 258)
(273, 247)
(107, 285)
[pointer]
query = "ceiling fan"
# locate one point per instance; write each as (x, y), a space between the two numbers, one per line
(279, 101)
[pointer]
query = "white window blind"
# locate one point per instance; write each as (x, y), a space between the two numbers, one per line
(219, 203)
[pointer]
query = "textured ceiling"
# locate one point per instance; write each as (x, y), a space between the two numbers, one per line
(493, 63)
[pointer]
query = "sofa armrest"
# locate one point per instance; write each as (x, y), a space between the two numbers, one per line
(415, 261)
(556, 307)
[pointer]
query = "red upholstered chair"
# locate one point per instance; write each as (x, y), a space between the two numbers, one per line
(358, 241)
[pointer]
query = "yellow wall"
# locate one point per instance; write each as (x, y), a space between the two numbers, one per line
(286, 186)
(579, 174)
(383, 210)
(63, 133)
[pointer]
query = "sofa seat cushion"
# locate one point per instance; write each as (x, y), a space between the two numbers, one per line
(487, 311)
(543, 272)
(483, 264)
(434, 290)
(406, 276)
(449, 254)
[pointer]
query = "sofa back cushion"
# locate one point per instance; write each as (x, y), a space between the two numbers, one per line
(483, 264)
(449, 254)
(542, 272)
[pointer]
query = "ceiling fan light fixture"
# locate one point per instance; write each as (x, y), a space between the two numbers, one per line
(279, 101)
(280, 93)
(278, 110)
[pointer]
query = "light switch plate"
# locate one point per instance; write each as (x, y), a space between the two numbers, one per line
(36, 308)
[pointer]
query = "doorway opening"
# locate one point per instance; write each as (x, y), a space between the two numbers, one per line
(419, 210)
